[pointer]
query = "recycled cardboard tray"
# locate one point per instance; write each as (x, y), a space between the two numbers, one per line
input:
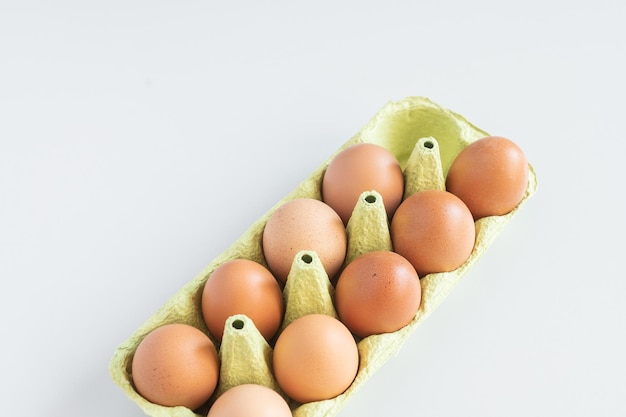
(425, 138)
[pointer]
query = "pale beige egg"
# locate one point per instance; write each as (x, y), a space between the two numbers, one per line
(304, 224)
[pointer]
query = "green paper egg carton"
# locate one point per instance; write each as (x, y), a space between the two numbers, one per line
(425, 138)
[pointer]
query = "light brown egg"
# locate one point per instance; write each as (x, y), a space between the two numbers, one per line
(176, 364)
(250, 400)
(358, 168)
(434, 230)
(490, 175)
(242, 286)
(315, 358)
(304, 224)
(378, 292)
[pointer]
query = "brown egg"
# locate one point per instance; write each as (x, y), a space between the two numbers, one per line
(249, 400)
(242, 286)
(304, 224)
(358, 168)
(434, 230)
(176, 364)
(315, 358)
(490, 175)
(378, 292)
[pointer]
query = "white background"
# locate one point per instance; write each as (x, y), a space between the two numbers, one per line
(139, 139)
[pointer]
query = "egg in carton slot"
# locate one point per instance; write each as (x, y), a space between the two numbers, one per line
(425, 138)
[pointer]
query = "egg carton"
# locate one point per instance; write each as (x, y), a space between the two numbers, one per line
(425, 138)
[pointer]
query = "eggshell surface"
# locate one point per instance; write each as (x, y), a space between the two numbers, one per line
(315, 358)
(378, 292)
(434, 230)
(358, 168)
(304, 224)
(490, 175)
(242, 286)
(250, 400)
(176, 365)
